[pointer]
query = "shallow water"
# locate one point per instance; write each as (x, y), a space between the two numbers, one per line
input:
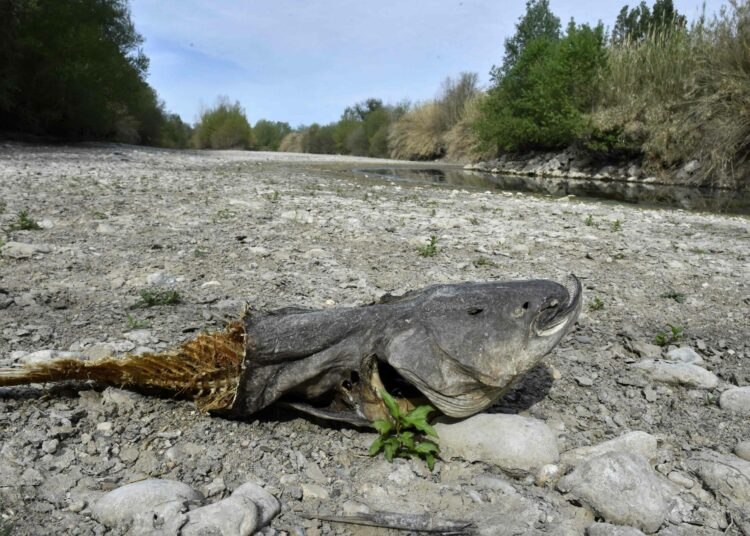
(698, 199)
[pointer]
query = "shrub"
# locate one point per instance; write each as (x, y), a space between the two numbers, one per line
(418, 135)
(269, 134)
(223, 127)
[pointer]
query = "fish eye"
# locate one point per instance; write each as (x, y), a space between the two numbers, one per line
(474, 310)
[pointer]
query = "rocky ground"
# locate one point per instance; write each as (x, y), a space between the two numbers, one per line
(612, 434)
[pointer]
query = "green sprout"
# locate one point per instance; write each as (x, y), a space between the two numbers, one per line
(429, 250)
(24, 223)
(134, 323)
(402, 435)
(589, 221)
(596, 304)
(679, 297)
(617, 225)
(154, 297)
(675, 333)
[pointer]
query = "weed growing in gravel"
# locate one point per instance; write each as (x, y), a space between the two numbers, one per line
(273, 197)
(134, 323)
(429, 250)
(224, 214)
(596, 304)
(154, 297)
(402, 436)
(433, 213)
(3, 205)
(589, 221)
(200, 253)
(99, 215)
(616, 225)
(699, 251)
(675, 333)
(484, 261)
(679, 297)
(24, 223)
(474, 220)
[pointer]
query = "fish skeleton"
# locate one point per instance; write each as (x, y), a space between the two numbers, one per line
(456, 346)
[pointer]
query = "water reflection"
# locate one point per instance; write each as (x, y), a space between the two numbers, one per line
(702, 199)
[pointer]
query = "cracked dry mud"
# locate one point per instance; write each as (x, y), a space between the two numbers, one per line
(275, 230)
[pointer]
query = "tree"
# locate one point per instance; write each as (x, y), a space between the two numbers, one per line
(268, 134)
(635, 24)
(538, 21)
(223, 127)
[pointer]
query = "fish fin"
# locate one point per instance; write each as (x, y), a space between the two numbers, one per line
(206, 369)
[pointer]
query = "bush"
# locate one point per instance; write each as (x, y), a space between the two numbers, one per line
(418, 135)
(223, 127)
(294, 142)
(540, 102)
(268, 134)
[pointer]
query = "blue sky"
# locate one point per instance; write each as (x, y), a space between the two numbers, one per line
(304, 61)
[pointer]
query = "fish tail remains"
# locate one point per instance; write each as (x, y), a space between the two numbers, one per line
(206, 369)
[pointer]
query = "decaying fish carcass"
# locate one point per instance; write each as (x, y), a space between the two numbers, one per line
(457, 346)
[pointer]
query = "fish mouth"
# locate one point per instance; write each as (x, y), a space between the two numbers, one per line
(555, 317)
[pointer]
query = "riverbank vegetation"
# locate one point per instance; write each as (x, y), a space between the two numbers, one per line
(654, 89)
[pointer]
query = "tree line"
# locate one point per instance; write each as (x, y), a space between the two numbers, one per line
(653, 88)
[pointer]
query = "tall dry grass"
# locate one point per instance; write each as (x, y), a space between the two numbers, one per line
(294, 142)
(684, 95)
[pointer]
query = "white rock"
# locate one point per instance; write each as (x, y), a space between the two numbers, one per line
(123, 504)
(622, 488)
(314, 491)
(45, 355)
(743, 450)
(268, 505)
(678, 373)
(21, 250)
(511, 442)
(684, 354)
(607, 529)
(141, 337)
(160, 279)
(736, 399)
(105, 229)
(233, 516)
(725, 475)
(638, 442)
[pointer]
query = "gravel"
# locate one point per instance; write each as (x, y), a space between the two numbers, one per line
(223, 229)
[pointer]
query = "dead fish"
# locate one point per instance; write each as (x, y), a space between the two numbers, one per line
(457, 346)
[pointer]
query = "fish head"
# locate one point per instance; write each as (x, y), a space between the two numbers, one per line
(463, 345)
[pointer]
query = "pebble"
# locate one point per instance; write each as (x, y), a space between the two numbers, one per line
(511, 442)
(314, 491)
(622, 488)
(743, 450)
(123, 504)
(684, 354)
(638, 442)
(736, 399)
(678, 373)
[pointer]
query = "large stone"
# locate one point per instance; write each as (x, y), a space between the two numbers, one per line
(678, 373)
(684, 354)
(736, 399)
(638, 442)
(512, 442)
(725, 475)
(122, 505)
(241, 514)
(21, 250)
(622, 488)
(743, 450)
(608, 529)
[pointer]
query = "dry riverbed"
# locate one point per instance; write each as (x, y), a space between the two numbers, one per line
(223, 229)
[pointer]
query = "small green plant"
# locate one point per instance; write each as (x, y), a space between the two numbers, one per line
(596, 304)
(433, 213)
(99, 215)
(474, 220)
(484, 261)
(402, 435)
(154, 297)
(698, 251)
(672, 294)
(589, 221)
(274, 196)
(24, 223)
(200, 253)
(429, 250)
(134, 323)
(675, 333)
(616, 225)
(224, 214)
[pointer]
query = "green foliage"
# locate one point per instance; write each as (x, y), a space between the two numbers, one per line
(134, 323)
(596, 304)
(175, 133)
(430, 249)
(484, 261)
(155, 297)
(616, 225)
(589, 221)
(268, 134)
(537, 22)
(223, 127)
(637, 23)
(541, 99)
(672, 294)
(664, 338)
(75, 69)
(24, 223)
(402, 436)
